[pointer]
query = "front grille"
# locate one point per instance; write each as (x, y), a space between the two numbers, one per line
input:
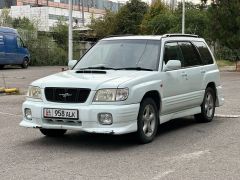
(67, 95)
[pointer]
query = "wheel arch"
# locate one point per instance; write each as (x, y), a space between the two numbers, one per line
(213, 86)
(26, 57)
(155, 96)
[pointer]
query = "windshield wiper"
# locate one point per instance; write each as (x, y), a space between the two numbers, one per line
(135, 68)
(98, 67)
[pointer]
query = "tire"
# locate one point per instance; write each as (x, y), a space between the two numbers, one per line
(53, 132)
(2, 66)
(25, 63)
(207, 107)
(148, 121)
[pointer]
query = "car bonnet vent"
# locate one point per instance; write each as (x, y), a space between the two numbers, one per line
(91, 72)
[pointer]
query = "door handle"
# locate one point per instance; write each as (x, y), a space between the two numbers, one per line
(203, 71)
(184, 74)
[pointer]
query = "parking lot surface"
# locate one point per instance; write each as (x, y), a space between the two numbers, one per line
(183, 149)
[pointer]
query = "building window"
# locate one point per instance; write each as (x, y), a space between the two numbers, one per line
(64, 18)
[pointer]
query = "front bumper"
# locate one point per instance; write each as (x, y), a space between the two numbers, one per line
(124, 117)
(220, 96)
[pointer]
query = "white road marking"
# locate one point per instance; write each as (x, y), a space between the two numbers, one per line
(161, 175)
(11, 114)
(227, 115)
(193, 155)
(182, 157)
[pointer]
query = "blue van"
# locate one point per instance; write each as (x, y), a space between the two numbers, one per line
(12, 49)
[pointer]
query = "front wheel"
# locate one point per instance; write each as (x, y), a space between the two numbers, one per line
(207, 107)
(25, 63)
(147, 121)
(53, 132)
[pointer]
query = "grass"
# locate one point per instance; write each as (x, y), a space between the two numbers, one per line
(222, 63)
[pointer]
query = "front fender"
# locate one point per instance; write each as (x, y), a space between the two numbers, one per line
(138, 91)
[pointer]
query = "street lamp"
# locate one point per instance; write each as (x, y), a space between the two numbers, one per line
(70, 39)
(183, 16)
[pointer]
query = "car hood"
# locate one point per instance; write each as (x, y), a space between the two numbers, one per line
(94, 81)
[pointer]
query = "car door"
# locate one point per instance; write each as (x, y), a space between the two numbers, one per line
(192, 69)
(21, 52)
(10, 48)
(174, 81)
(2, 50)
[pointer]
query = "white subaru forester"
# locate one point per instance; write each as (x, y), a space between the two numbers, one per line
(128, 84)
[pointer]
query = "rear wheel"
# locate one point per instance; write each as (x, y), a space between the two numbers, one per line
(207, 107)
(147, 121)
(25, 63)
(53, 132)
(1, 66)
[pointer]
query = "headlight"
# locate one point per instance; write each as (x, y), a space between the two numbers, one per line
(34, 92)
(109, 95)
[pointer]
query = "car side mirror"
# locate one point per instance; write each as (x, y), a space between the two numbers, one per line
(172, 65)
(72, 63)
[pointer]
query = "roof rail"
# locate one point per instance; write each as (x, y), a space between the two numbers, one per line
(119, 35)
(180, 35)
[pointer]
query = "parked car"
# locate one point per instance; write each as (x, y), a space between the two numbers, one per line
(128, 84)
(12, 49)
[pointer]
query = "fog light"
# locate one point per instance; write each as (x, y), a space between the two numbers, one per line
(28, 113)
(105, 118)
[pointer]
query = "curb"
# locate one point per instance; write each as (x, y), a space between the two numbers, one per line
(9, 90)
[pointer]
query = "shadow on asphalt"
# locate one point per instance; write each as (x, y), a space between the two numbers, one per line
(6, 68)
(77, 139)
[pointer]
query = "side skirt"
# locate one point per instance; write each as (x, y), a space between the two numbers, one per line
(187, 112)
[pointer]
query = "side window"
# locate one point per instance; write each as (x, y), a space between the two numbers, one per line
(204, 52)
(171, 52)
(19, 42)
(190, 54)
(1, 40)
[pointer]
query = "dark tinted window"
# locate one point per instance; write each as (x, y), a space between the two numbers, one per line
(172, 52)
(204, 52)
(190, 54)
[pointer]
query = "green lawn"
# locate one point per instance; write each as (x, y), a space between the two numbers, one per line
(222, 63)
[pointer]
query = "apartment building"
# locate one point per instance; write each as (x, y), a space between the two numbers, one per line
(89, 5)
(47, 12)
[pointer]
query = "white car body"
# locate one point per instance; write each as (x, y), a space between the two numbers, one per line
(179, 92)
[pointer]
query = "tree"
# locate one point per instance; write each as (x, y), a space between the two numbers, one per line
(60, 33)
(5, 18)
(225, 22)
(158, 20)
(105, 25)
(130, 16)
(126, 21)
(23, 23)
(196, 19)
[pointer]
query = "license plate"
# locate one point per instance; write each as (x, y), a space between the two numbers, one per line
(60, 113)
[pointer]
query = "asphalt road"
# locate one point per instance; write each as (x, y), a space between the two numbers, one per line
(183, 149)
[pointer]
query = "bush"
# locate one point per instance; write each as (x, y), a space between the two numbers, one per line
(45, 51)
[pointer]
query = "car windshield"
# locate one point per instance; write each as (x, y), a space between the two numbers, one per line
(122, 54)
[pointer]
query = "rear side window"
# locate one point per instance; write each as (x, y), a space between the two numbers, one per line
(190, 54)
(1, 40)
(172, 52)
(204, 52)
